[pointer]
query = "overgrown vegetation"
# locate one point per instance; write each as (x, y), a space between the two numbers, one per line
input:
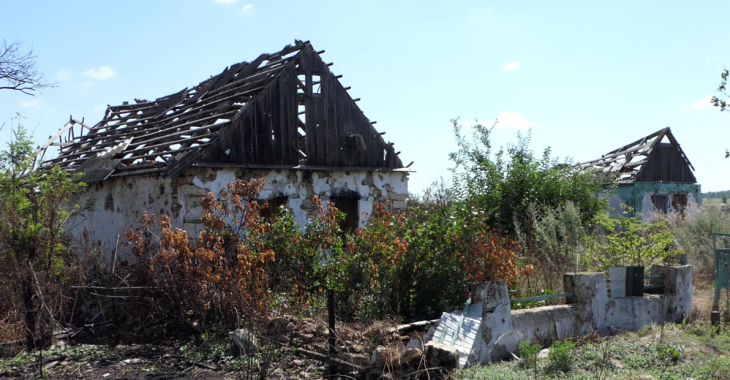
(507, 215)
(34, 261)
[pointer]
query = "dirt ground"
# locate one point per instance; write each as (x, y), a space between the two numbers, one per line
(300, 348)
(299, 352)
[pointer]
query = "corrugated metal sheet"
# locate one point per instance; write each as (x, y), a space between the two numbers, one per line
(467, 333)
(97, 169)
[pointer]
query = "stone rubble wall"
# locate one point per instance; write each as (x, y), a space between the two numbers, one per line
(117, 204)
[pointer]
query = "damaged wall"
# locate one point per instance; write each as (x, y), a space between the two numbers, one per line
(117, 204)
(491, 330)
(638, 196)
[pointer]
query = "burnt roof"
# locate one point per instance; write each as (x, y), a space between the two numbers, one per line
(641, 160)
(173, 132)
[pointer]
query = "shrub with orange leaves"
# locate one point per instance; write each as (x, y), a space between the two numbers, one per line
(407, 265)
(493, 256)
(221, 273)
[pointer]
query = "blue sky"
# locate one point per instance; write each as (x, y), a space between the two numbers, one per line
(586, 77)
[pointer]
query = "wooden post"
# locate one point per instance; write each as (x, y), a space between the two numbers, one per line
(331, 320)
(114, 284)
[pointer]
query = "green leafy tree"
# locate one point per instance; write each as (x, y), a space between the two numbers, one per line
(34, 205)
(504, 184)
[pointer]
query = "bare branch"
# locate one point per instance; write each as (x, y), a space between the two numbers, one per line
(18, 70)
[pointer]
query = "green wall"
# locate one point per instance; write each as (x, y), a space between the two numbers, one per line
(632, 194)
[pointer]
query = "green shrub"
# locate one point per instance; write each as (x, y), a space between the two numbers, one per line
(667, 353)
(529, 354)
(629, 241)
(560, 358)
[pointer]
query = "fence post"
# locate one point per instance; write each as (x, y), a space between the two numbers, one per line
(331, 319)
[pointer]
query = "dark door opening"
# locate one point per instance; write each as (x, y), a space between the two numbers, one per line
(349, 207)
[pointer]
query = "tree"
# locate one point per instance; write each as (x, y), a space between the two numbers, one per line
(34, 206)
(506, 184)
(18, 70)
(723, 104)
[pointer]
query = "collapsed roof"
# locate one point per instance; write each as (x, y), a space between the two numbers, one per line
(284, 109)
(646, 159)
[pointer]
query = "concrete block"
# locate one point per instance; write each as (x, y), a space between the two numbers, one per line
(545, 324)
(496, 318)
(677, 289)
(591, 295)
(633, 313)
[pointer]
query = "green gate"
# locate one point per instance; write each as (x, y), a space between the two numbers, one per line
(722, 271)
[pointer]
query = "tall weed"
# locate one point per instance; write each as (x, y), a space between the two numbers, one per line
(694, 234)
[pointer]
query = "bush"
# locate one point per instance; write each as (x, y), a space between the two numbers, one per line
(560, 357)
(553, 243)
(208, 282)
(629, 242)
(529, 352)
(506, 183)
(411, 265)
(694, 234)
(35, 264)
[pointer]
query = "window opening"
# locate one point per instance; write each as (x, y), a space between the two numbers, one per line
(660, 202)
(316, 83)
(679, 202)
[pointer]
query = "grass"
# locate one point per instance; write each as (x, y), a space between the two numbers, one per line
(678, 352)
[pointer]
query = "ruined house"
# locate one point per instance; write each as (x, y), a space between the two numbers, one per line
(284, 117)
(653, 174)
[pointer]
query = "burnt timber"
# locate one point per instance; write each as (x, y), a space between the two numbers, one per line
(284, 109)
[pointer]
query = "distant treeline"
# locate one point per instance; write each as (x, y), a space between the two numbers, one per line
(715, 194)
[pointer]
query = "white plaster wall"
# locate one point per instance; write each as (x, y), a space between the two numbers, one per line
(117, 204)
(647, 207)
(693, 206)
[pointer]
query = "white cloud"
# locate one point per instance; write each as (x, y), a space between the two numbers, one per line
(226, 2)
(505, 119)
(101, 73)
(35, 103)
(702, 103)
(514, 119)
(512, 66)
(246, 9)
